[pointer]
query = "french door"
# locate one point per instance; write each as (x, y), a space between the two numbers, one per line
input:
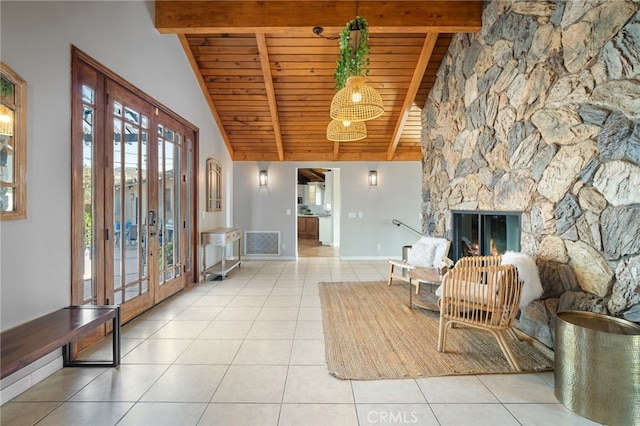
(132, 194)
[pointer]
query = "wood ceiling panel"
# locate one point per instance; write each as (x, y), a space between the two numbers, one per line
(269, 79)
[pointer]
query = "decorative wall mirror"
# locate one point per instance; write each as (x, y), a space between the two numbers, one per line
(13, 145)
(214, 185)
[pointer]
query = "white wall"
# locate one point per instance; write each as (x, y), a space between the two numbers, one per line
(36, 39)
(397, 196)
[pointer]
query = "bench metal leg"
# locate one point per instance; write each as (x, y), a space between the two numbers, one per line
(67, 350)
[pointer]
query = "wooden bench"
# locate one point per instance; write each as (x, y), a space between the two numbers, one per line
(30, 341)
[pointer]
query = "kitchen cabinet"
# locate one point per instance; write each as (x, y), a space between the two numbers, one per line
(308, 227)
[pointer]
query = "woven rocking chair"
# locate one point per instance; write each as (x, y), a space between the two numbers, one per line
(481, 297)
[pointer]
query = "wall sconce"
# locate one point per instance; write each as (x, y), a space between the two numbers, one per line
(263, 178)
(373, 178)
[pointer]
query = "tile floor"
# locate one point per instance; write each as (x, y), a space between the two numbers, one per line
(249, 350)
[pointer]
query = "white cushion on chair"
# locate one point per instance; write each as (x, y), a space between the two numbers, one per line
(422, 255)
(426, 250)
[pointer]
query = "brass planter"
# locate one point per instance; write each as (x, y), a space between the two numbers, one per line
(597, 366)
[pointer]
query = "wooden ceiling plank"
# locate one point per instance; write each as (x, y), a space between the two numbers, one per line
(429, 43)
(271, 94)
(240, 16)
(214, 111)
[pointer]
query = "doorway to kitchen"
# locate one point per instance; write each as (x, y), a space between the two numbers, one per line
(318, 212)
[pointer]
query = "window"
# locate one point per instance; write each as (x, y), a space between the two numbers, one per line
(13, 145)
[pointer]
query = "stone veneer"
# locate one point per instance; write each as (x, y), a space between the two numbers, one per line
(539, 112)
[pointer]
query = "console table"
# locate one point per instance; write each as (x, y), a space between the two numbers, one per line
(221, 239)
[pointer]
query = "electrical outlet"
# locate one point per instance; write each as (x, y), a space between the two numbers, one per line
(379, 246)
(288, 212)
(284, 246)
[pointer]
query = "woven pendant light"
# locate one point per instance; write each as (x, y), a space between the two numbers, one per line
(337, 131)
(356, 102)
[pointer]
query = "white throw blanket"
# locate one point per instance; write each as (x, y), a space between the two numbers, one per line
(528, 273)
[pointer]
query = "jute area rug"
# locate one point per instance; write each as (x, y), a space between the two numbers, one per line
(370, 333)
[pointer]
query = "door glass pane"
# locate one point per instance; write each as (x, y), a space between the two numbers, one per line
(130, 204)
(88, 113)
(118, 257)
(187, 219)
(168, 204)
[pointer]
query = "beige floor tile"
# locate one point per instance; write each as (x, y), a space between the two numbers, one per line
(310, 301)
(310, 313)
(313, 384)
(162, 313)
(455, 389)
(218, 329)
(309, 330)
(186, 383)
(140, 329)
(60, 386)
(157, 351)
(308, 352)
(195, 313)
(163, 413)
(125, 383)
(252, 383)
(547, 414)
(387, 391)
(213, 300)
(248, 301)
(249, 290)
(272, 330)
(218, 414)
(280, 301)
(180, 330)
(473, 414)
(103, 350)
(318, 415)
(395, 414)
(210, 351)
(87, 413)
(281, 313)
(264, 352)
(226, 289)
(516, 388)
(237, 313)
(25, 413)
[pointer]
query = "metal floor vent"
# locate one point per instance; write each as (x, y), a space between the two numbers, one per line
(262, 243)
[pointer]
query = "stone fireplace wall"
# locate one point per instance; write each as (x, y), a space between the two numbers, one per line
(539, 112)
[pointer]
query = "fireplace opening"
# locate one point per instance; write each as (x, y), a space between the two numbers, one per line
(484, 233)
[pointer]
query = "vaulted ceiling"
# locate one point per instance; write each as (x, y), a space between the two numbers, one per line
(268, 78)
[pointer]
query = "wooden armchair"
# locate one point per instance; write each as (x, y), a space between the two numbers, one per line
(481, 297)
(469, 261)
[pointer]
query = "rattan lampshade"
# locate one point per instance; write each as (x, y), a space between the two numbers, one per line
(338, 132)
(6, 121)
(356, 102)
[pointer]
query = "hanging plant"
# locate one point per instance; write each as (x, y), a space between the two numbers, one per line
(354, 59)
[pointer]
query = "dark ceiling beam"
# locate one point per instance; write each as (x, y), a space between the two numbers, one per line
(243, 16)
